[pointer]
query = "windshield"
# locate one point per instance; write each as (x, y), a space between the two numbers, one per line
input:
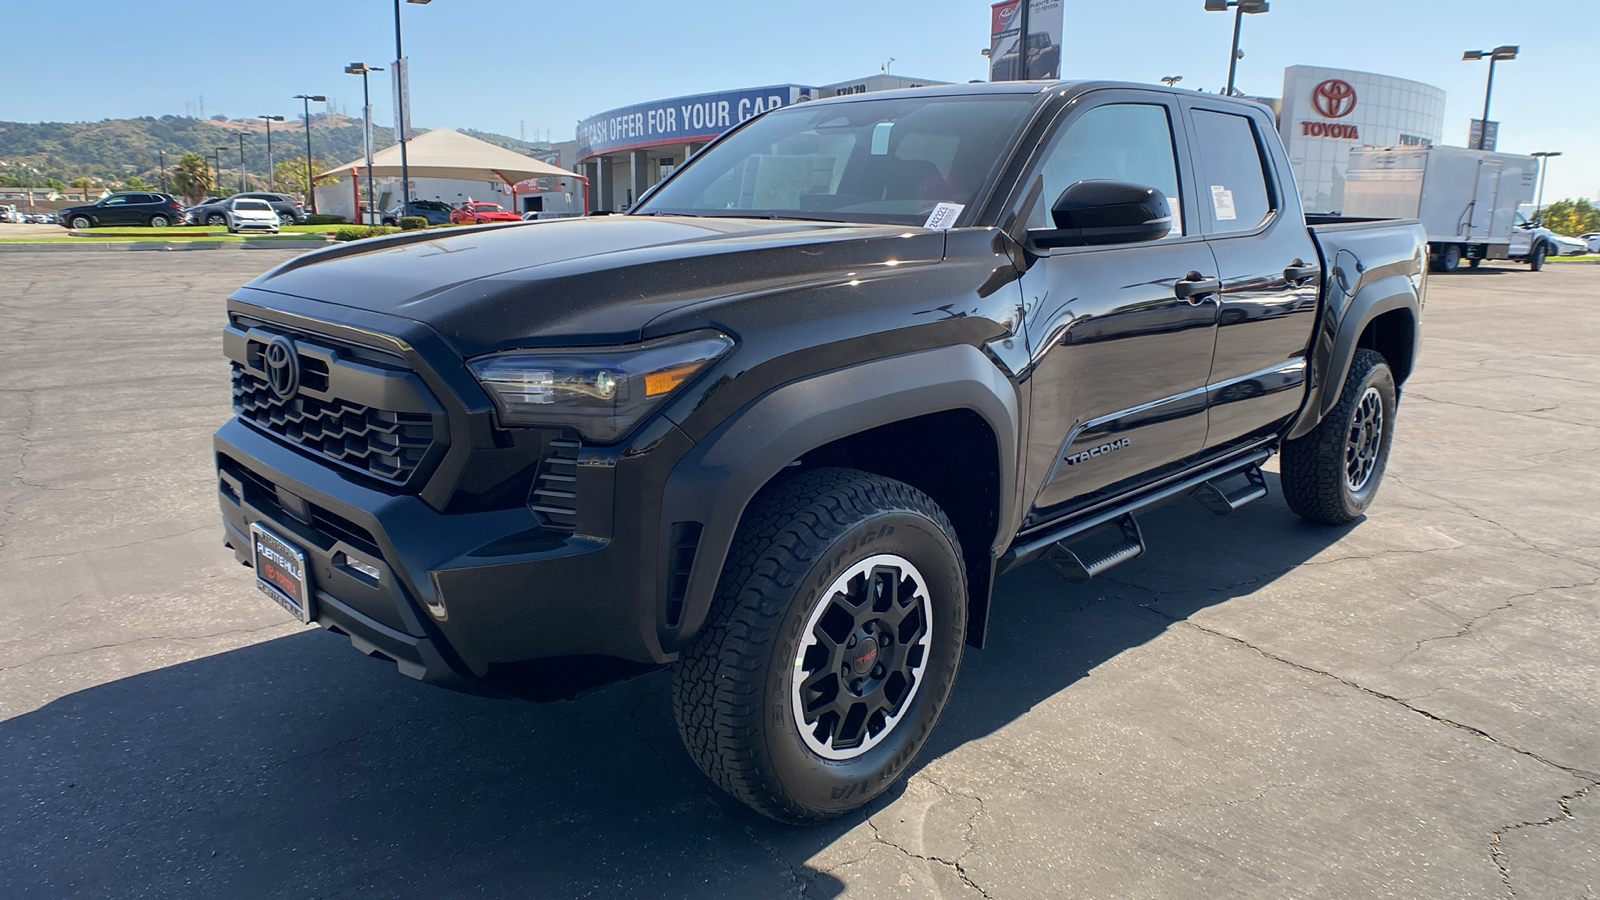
(487, 207)
(890, 160)
(252, 206)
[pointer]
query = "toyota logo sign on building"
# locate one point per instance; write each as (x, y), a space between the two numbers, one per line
(1334, 98)
(1325, 113)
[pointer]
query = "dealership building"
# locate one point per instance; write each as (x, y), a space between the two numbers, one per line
(1323, 114)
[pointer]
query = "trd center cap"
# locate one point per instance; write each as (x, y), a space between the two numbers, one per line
(865, 655)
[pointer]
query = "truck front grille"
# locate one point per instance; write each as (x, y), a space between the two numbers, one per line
(354, 407)
(388, 445)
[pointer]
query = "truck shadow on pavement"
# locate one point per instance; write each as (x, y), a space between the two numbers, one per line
(296, 768)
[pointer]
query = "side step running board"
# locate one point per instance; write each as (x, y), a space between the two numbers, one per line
(1213, 496)
(1078, 568)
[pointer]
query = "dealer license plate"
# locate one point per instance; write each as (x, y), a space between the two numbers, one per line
(281, 572)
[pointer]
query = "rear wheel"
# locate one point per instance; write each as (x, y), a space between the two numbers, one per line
(159, 221)
(831, 647)
(1536, 258)
(1332, 474)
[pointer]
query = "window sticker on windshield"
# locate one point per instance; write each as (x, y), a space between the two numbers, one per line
(944, 216)
(1222, 202)
(880, 138)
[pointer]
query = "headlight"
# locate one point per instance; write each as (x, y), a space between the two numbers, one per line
(602, 392)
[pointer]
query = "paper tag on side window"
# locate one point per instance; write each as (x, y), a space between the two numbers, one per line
(944, 216)
(1222, 201)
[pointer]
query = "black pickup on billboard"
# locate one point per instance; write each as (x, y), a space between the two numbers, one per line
(1041, 49)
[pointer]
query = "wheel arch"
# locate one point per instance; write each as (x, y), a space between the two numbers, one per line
(859, 416)
(1382, 316)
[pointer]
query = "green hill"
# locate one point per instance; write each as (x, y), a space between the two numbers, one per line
(112, 150)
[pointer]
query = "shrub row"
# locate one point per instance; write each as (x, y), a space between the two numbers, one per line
(325, 220)
(357, 232)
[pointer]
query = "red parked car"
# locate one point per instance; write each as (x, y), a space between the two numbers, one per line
(475, 212)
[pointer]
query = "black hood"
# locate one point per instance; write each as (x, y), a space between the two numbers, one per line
(585, 281)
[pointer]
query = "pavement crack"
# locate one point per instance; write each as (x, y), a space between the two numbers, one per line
(954, 865)
(1497, 851)
(1469, 624)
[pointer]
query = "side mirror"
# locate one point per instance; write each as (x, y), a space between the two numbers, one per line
(1099, 212)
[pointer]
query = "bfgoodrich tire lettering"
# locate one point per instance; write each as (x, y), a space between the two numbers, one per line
(733, 690)
(1332, 473)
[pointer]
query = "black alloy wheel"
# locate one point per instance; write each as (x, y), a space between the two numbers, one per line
(1332, 473)
(830, 648)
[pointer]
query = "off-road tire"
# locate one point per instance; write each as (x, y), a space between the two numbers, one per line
(1314, 467)
(731, 690)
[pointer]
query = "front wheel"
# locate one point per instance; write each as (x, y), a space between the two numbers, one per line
(1332, 473)
(1536, 258)
(216, 219)
(831, 647)
(80, 223)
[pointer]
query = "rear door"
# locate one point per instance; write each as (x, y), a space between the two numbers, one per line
(1484, 194)
(1121, 337)
(1270, 273)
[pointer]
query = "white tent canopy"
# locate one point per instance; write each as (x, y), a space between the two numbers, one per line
(442, 153)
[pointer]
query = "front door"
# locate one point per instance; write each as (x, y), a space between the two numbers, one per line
(114, 211)
(1121, 336)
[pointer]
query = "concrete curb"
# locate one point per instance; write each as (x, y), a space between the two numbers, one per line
(55, 246)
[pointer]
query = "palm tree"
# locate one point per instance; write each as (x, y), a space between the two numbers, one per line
(83, 184)
(191, 177)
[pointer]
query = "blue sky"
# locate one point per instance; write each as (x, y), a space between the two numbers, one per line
(505, 65)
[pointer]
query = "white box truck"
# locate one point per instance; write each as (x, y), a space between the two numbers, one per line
(1466, 199)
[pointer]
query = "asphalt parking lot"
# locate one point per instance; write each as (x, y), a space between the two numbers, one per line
(1406, 707)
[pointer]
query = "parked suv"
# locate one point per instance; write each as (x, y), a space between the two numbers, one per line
(781, 426)
(125, 208)
(436, 212)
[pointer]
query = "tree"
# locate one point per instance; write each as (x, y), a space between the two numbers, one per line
(135, 183)
(83, 184)
(1572, 217)
(191, 177)
(9, 180)
(290, 174)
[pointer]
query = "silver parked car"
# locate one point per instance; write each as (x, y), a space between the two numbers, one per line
(246, 214)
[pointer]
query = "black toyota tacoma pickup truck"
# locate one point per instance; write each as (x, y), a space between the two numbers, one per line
(780, 427)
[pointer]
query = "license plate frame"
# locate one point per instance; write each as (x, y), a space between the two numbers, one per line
(281, 572)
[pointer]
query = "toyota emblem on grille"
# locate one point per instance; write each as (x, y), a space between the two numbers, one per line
(283, 367)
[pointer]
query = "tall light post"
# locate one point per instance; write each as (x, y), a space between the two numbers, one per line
(240, 135)
(1498, 54)
(161, 157)
(403, 73)
(311, 189)
(1241, 8)
(272, 177)
(363, 70)
(1544, 161)
(216, 153)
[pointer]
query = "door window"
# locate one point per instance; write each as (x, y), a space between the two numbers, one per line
(1235, 180)
(117, 200)
(1120, 142)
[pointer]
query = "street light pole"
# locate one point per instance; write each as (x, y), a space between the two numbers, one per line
(242, 186)
(311, 189)
(216, 153)
(1498, 54)
(363, 69)
(272, 177)
(1544, 161)
(402, 72)
(161, 156)
(1241, 8)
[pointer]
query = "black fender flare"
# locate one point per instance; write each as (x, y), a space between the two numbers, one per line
(716, 480)
(1335, 345)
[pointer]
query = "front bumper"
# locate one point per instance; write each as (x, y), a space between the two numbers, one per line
(462, 599)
